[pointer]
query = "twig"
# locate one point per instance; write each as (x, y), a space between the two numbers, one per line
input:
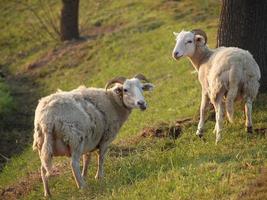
(6, 158)
(50, 19)
(39, 19)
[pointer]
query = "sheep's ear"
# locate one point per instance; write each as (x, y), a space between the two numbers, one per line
(148, 87)
(200, 40)
(118, 90)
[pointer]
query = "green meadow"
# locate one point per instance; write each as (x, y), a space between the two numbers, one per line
(123, 38)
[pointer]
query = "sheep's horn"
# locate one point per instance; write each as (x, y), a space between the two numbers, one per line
(141, 77)
(119, 79)
(200, 32)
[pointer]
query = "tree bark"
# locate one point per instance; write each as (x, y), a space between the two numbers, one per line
(243, 24)
(69, 21)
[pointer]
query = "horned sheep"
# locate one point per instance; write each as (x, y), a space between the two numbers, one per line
(228, 72)
(83, 120)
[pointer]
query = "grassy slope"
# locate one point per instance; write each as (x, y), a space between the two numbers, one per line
(136, 36)
(6, 105)
(5, 98)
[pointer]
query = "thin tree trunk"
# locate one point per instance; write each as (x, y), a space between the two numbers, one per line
(69, 22)
(243, 24)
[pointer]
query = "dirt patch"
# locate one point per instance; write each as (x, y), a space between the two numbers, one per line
(99, 29)
(21, 188)
(257, 189)
(74, 48)
(170, 5)
(165, 130)
(120, 151)
(160, 131)
(261, 131)
(71, 48)
(26, 185)
(173, 131)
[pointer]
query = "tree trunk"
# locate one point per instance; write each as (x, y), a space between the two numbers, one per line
(243, 23)
(69, 21)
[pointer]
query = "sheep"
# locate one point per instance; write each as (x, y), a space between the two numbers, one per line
(83, 120)
(228, 72)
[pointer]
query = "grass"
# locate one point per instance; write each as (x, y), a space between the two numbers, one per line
(125, 38)
(5, 98)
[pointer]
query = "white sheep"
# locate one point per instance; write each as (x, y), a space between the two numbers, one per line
(223, 72)
(83, 120)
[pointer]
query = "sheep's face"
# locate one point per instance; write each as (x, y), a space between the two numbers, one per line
(185, 44)
(132, 93)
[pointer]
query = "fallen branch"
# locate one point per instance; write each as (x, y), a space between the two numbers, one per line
(6, 158)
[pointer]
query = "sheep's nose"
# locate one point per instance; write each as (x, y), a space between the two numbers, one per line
(175, 54)
(141, 104)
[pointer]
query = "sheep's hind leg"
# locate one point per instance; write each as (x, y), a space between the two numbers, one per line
(45, 182)
(75, 166)
(219, 117)
(200, 128)
(101, 156)
(86, 160)
(248, 112)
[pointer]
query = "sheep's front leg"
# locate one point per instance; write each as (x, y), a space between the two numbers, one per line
(75, 166)
(248, 112)
(86, 160)
(200, 128)
(101, 156)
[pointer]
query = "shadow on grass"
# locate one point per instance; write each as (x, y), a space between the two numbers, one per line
(16, 126)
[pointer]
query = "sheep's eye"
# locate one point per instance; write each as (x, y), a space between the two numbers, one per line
(190, 41)
(125, 90)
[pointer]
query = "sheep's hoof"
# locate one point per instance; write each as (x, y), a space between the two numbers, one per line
(200, 133)
(249, 129)
(83, 185)
(47, 194)
(218, 139)
(99, 177)
(84, 177)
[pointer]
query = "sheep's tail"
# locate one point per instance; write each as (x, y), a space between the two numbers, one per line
(46, 150)
(37, 138)
(229, 103)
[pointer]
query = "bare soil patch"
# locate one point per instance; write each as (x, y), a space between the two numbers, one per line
(166, 130)
(121, 151)
(26, 185)
(256, 190)
(99, 29)
(261, 131)
(71, 48)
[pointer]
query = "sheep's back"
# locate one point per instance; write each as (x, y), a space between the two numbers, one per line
(241, 61)
(231, 67)
(233, 64)
(73, 120)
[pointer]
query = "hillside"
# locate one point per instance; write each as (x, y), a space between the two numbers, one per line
(125, 38)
